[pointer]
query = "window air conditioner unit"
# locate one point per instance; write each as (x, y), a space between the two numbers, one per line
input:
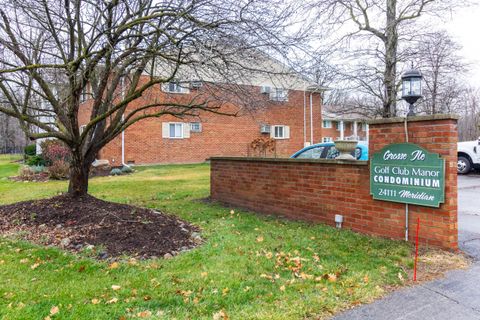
(265, 89)
(196, 84)
(264, 128)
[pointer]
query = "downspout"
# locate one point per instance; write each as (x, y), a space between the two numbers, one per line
(123, 119)
(304, 115)
(311, 119)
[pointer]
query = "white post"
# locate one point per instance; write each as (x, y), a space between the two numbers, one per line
(311, 119)
(342, 130)
(355, 134)
(366, 131)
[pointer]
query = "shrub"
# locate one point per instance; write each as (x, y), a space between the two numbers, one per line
(59, 170)
(55, 150)
(35, 160)
(37, 169)
(116, 172)
(26, 173)
(127, 169)
(30, 150)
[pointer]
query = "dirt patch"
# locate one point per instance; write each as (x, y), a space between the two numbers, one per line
(108, 229)
(433, 264)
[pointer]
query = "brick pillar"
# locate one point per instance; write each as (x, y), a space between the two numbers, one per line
(438, 134)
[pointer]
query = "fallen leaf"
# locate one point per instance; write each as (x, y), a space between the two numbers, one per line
(113, 300)
(114, 265)
(220, 315)
(24, 260)
(95, 301)
(144, 314)
(400, 276)
(225, 291)
(282, 288)
(332, 277)
(34, 266)
(232, 212)
(115, 287)
(204, 274)
(365, 279)
(54, 310)
(260, 239)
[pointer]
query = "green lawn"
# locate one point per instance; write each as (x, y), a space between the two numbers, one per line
(251, 266)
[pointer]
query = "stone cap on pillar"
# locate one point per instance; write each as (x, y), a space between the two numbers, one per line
(448, 116)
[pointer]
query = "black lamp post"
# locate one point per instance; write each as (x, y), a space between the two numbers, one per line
(411, 88)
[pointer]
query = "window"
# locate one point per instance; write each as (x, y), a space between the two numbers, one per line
(175, 87)
(280, 132)
(84, 94)
(195, 127)
(326, 124)
(313, 153)
(327, 139)
(364, 126)
(279, 94)
(338, 125)
(175, 130)
(332, 153)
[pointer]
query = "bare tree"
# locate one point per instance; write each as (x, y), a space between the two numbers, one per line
(52, 53)
(381, 28)
(12, 138)
(438, 58)
(469, 122)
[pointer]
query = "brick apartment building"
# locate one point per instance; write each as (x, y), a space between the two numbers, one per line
(290, 114)
(338, 126)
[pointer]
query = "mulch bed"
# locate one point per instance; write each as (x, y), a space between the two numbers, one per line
(105, 228)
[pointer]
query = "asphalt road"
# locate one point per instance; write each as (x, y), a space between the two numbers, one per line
(469, 203)
(457, 296)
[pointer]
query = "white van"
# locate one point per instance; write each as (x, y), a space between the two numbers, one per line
(468, 156)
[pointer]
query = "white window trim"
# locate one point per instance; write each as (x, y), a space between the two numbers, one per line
(327, 126)
(181, 131)
(273, 94)
(183, 89)
(200, 128)
(285, 131)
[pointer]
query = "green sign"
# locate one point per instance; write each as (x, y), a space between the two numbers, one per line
(407, 173)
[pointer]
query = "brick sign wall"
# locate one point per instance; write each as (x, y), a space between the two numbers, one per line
(317, 190)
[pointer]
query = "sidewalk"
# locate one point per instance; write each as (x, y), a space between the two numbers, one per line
(456, 297)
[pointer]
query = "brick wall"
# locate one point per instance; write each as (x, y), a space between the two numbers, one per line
(221, 135)
(317, 190)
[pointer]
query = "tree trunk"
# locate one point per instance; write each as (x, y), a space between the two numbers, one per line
(79, 171)
(391, 43)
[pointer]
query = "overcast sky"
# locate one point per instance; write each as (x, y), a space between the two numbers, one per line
(464, 26)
